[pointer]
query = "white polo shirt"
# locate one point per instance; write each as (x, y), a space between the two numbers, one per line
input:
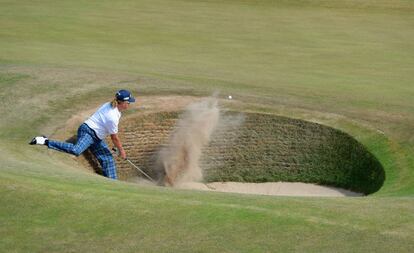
(104, 121)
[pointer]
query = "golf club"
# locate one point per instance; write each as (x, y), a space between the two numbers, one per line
(145, 174)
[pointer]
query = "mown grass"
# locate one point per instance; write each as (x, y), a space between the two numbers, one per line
(72, 211)
(345, 64)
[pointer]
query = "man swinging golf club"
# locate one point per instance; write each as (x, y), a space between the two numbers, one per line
(92, 133)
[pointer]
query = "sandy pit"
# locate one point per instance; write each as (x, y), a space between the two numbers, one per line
(179, 160)
(270, 188)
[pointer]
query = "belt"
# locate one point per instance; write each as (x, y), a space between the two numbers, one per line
(93, 131)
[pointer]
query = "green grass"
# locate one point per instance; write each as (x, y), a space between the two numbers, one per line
(345, 64)
(73, 211)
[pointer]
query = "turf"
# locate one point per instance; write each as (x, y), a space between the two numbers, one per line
(345, 64)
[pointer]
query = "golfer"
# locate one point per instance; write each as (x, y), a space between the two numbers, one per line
(92, 133)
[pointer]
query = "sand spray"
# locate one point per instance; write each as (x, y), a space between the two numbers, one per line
(179, 160)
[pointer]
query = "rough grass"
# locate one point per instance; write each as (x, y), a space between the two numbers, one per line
(346, 64)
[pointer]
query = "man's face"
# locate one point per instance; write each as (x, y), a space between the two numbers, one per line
(124, 105)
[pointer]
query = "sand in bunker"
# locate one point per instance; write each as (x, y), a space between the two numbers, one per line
(270, 188)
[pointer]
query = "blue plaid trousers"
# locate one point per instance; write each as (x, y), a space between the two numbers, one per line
(88, 139)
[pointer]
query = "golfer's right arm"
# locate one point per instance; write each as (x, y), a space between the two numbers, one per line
(117, 143)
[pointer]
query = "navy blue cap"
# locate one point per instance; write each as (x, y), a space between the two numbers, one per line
(124, 95)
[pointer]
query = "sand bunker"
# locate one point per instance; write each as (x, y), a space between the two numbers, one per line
(271, 188)
(179, 160)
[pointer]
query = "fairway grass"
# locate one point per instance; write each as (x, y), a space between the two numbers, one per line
(76, 211)
(347, 65)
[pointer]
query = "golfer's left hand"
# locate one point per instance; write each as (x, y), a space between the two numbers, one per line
(122, 154)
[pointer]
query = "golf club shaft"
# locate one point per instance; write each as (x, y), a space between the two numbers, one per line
(140, 170)
(136, 167)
